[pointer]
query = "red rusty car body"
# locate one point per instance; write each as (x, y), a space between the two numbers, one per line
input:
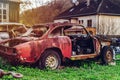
(50, 44)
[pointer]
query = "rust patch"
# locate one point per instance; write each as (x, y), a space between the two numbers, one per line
(33, 50)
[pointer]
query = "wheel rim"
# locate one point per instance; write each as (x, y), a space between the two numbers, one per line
(51, 62)
(109, 56)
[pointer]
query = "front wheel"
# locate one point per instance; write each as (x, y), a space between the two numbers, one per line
(107, 55)
(50, 59)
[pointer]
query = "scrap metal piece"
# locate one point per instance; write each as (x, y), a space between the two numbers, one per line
(15, 75)
(1, 73)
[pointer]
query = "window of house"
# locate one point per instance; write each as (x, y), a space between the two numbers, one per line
(89, 23)
(4, 10)
(81, 22)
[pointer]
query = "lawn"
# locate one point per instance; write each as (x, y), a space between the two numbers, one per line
(85, 70)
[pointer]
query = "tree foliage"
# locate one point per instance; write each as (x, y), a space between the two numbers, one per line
(45, 13)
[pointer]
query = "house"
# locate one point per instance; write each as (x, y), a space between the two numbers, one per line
(103, 15)
(9, 10)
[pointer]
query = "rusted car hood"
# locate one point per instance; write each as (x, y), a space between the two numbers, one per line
(16, 41)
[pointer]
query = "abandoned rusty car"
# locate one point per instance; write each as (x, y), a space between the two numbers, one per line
(51, 44)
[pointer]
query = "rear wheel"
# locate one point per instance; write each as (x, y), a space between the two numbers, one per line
(50, 59)
(107, 55)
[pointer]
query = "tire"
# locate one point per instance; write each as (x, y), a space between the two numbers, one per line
(107, 55)
(50, 59)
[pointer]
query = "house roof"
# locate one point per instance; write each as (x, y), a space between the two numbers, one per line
(95, 7)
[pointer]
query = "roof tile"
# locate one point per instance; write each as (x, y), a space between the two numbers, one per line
(95, 7)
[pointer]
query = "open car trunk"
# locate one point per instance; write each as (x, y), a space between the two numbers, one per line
(12, 42)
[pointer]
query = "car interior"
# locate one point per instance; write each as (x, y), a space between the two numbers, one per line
(82, 42)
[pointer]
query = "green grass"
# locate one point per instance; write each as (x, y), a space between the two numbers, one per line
(118, 57)
(87, 70)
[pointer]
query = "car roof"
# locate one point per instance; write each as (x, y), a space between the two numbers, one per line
(56, 24)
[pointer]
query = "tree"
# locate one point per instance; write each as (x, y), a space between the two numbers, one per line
(45, 13)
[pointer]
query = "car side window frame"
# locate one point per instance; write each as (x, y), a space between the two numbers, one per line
(60, 33)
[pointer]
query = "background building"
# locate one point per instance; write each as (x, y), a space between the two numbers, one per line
(9, 10)
(103, 15)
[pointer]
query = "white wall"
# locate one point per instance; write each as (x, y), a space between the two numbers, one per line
(105, 24)
(94, 19)
(109, 25)
(61, 20)
(74, 20)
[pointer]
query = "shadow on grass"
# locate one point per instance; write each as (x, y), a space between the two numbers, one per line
(81, 63)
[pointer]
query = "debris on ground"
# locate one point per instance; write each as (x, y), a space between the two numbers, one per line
(15, 75)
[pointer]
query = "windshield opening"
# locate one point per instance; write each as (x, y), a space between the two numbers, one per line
(75, 30)
(36, 31)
